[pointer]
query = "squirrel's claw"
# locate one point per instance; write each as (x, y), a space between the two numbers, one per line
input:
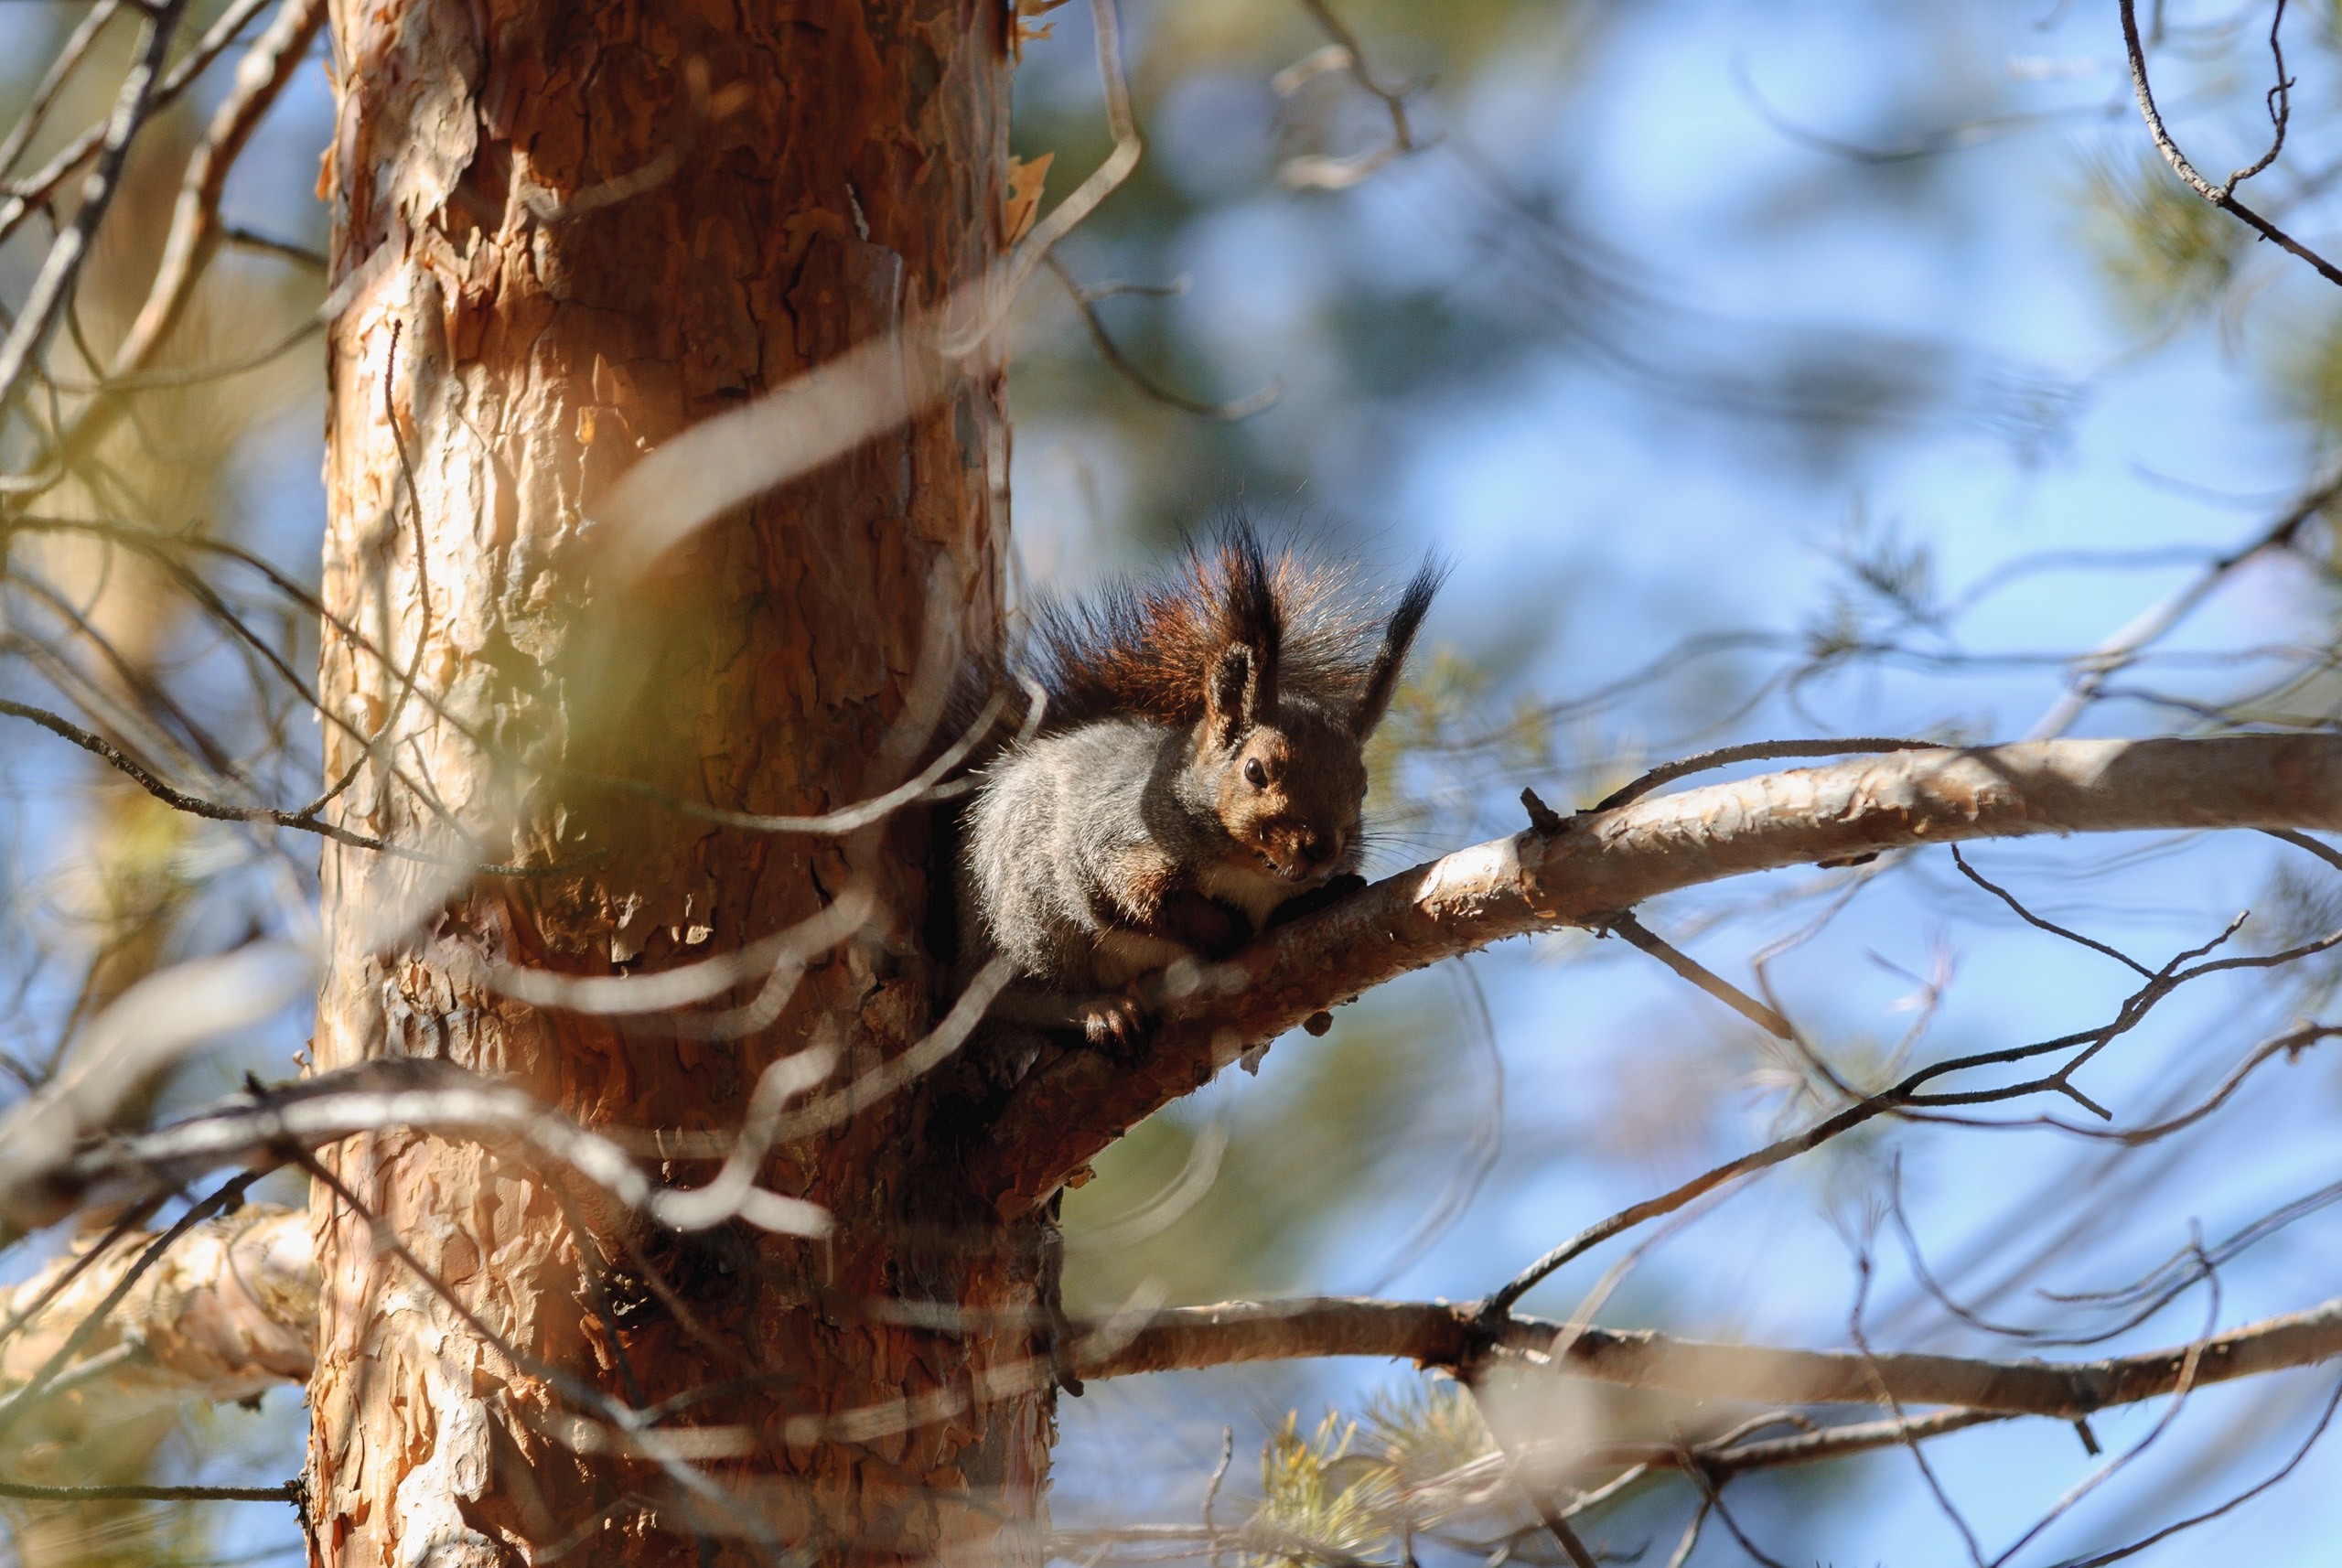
(1114, 1023)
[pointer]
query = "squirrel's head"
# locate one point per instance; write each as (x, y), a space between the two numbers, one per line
(1289, 776)
(1289, 781)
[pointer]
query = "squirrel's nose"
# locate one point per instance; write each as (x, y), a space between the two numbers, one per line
(1320, 849)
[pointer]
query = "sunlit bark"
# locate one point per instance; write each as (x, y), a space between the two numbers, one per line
(582, 229)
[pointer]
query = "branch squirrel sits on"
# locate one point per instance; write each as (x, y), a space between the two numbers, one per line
(1199, 765)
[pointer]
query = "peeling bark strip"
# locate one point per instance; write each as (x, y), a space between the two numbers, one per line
(1068, 1112)
(567, 233)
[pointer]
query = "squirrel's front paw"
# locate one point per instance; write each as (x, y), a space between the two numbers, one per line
(1114, 1024)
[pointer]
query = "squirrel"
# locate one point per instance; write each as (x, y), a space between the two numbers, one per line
(1198, 766)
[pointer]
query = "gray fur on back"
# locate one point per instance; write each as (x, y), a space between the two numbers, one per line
(1048, 820)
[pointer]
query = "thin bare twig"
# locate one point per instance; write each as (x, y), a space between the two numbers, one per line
(283, 1492)
(1345, 55)
(2220, 196)
(27, 195)
(1085, 300)
(2292, 1462)
(1950, 1509)
(1928, 143)
(2184, 1386)
(2279, 100)
(1905, 1093)
(66, 59)
(1639, 935)
(195, 230)
(1712, 1495)
(1754, 751)
(2124, 648)
(1211, 1492)
(177, 799)
(1101, 182)
(1838, 1442)
(1691, 1539)
(2290, 1045)
(220, 812)
(244, 238)
(45, 301)
(2030, 919)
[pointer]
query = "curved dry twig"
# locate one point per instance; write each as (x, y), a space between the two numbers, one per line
(264, 1128)
(2220, 196)
(1345, 55)
(177, 799)
(1085, 300)
(2125, 646)
(2039, 923)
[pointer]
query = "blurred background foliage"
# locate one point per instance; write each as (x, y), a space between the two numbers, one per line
(1819, 367)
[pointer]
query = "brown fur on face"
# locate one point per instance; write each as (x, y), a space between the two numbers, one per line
(1290, 791)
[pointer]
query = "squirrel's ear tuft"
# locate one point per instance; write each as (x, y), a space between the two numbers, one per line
(1398, 636)
(1231, 698)
(1250, 617)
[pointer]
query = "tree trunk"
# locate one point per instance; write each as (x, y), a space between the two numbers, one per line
(583, 230)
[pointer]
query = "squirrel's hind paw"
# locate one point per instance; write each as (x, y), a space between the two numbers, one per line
(1114, 1024)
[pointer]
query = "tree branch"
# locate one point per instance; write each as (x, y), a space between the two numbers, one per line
(228, 1312)
(231, 1310)
(1073, 1107)
(1441, 1334)
(169, 1321)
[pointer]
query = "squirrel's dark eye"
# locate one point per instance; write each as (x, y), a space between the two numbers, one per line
(1255, 774)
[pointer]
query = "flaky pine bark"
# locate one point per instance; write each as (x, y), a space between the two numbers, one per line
(226, 1314)
(575, 232)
